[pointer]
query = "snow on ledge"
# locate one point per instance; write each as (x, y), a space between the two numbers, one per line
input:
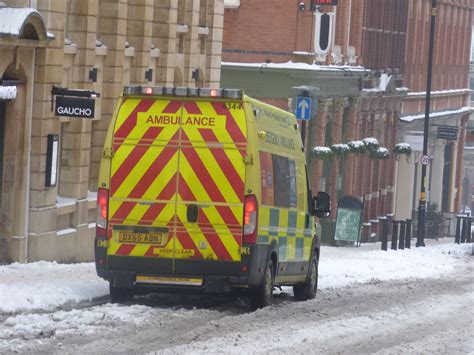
(66, 231)
(411, 118)
(440, 92)
(296, 66)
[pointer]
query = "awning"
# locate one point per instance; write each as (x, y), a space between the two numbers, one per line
(7, 92)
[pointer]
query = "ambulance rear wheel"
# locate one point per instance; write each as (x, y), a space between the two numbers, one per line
(262, 295)
(120, 294)
(308, 290)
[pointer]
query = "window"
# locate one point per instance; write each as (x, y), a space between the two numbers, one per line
(278, 180)
(472, 44)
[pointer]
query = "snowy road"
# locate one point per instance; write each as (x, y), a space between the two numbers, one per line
(404, 314)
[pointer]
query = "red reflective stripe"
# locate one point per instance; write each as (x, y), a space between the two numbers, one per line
(152, 213)
(192, 108)
(153, 171)
(213, 238)
(202, 174)
(227, 215)
(224, 163)
(133, 158)
(186, 241)
(131, 121)
(169, 190)
(231, 126)
(172, 107)
(122, 212)
(125, 249)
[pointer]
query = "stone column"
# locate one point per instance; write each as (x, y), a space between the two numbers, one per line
(76, 137)
(336, 138)
(139, 35)
(112, 30)
(316, 136)
(349, 178)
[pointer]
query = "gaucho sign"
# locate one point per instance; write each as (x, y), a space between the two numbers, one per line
(74, 107)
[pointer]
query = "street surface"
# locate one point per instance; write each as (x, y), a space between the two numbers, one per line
(388, 316)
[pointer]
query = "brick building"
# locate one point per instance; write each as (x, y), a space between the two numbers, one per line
(368, 81)
(450, 101)
(354, 102)
(65, 43)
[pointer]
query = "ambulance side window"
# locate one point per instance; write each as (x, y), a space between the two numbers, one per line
(284, 171)
(278, 180)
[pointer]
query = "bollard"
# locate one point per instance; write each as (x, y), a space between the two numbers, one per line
(464, 230)
(384, 234)
(394, 234)
(408, 234)
(457, 237)
(401, 239)
(469, 231)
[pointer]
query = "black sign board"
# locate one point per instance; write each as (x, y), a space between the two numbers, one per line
(74, 107)
(450, 133)
(324, 2)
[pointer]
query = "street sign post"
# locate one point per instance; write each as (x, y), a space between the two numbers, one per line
(425, 160)
(303, 108)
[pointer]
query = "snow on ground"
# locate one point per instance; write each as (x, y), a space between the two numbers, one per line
(342, 266)
(49, 285)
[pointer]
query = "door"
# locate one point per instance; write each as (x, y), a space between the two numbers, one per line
(211, 181)
(177, 180)
(144, 175)
(3, 105)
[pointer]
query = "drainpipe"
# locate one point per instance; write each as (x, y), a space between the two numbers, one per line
(28, 158)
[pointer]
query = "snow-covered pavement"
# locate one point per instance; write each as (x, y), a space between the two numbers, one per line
(48, 285)
(46, 306)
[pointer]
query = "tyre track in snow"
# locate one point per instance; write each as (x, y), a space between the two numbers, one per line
(385, 317)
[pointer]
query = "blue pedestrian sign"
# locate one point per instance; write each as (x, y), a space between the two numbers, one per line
(303, 108)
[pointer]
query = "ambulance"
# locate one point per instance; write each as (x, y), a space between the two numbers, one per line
(206, 190)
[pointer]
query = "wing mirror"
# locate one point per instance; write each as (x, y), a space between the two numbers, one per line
(322, 205)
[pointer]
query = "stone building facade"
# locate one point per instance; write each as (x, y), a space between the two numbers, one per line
(65, 43)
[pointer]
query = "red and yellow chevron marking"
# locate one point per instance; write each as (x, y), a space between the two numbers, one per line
(170, 154)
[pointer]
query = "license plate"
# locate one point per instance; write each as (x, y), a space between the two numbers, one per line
(155, 238)
(180, 281)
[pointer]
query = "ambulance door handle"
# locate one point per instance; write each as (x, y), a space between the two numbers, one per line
(192, 213)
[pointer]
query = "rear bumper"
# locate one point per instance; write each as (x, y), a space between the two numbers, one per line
(217, 276)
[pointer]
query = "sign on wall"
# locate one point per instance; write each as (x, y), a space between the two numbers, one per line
(74, 107)
(450, 133)
(73, 102)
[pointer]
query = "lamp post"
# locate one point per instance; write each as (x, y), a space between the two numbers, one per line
(420, 240)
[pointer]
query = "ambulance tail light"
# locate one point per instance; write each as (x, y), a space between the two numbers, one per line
(250, 219)
(102, 212)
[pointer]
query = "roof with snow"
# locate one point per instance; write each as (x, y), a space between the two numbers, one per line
(23, 23)
(462, 110)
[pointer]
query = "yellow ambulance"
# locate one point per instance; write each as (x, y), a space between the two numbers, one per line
(207, 190)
